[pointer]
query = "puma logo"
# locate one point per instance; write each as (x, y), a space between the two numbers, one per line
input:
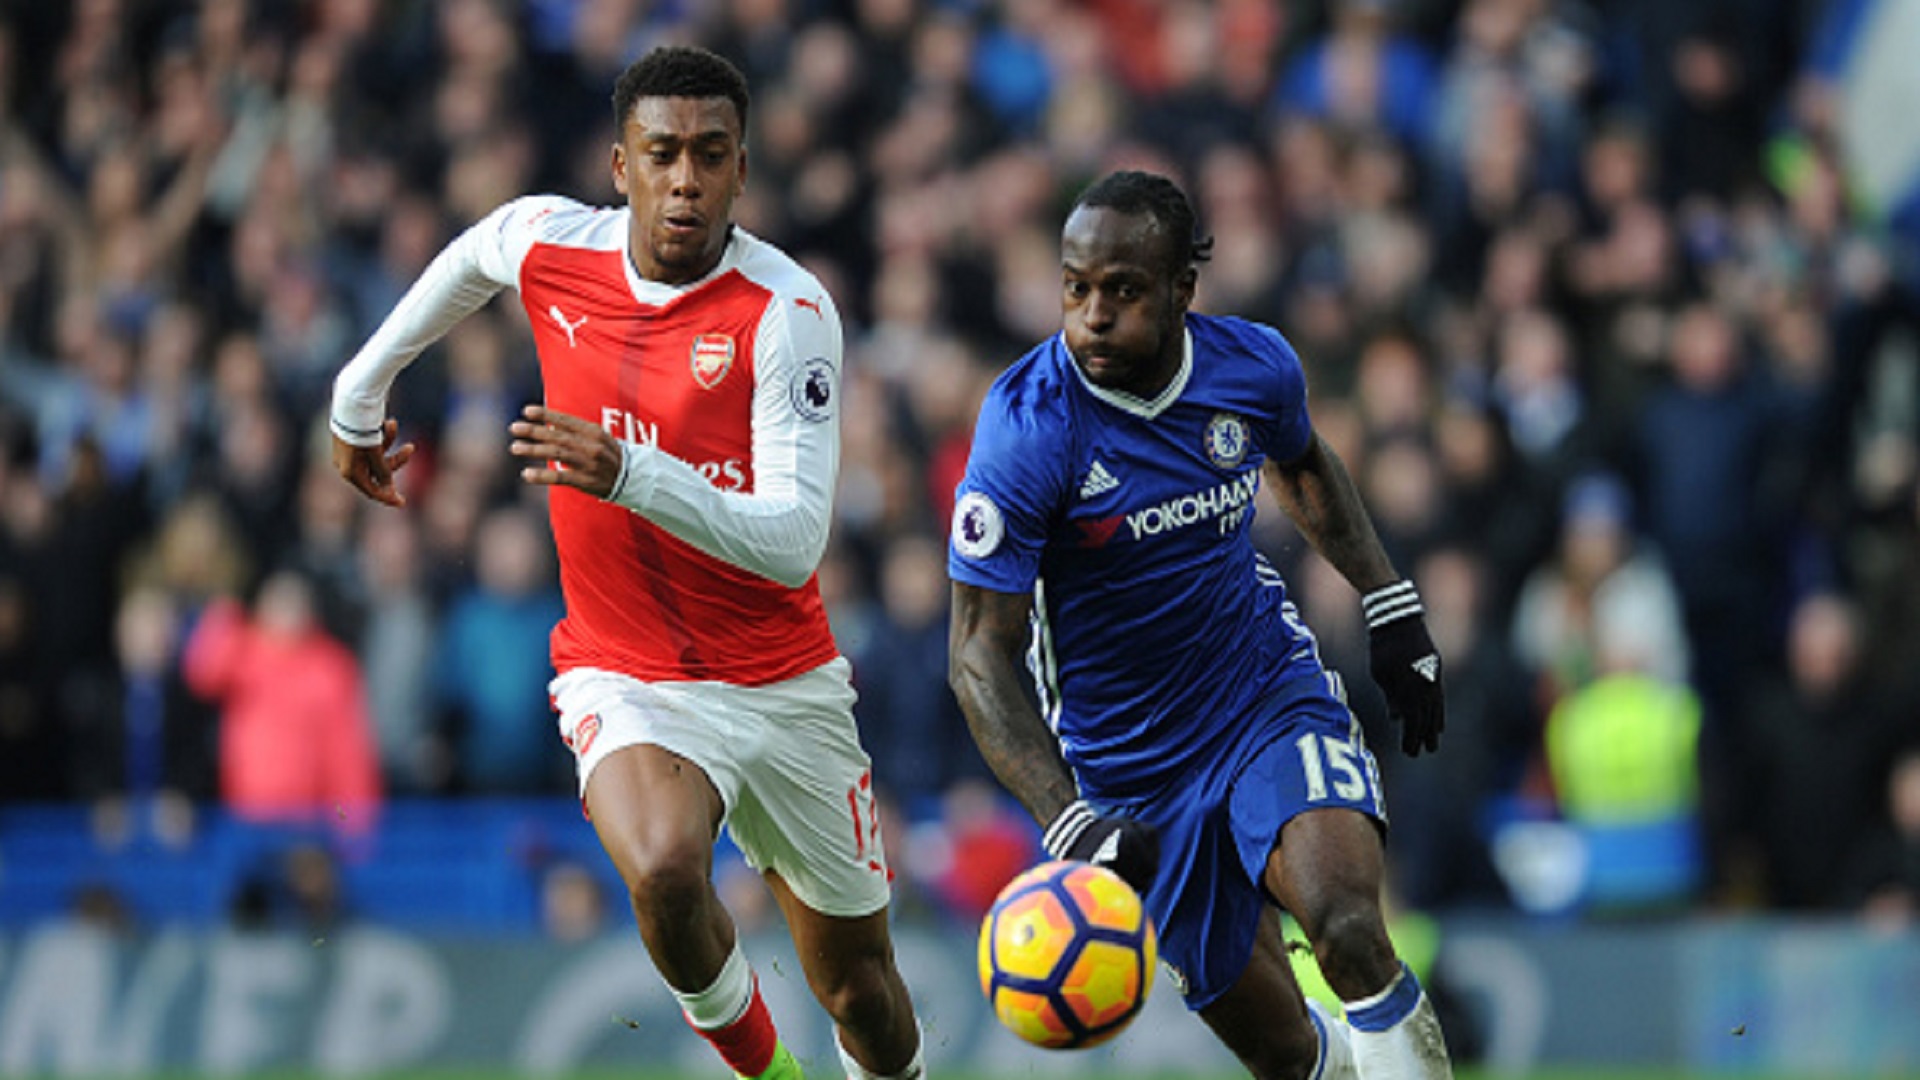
(554, 313)
(810, 305)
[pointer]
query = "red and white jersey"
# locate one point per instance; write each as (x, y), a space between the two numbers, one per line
(725, 393)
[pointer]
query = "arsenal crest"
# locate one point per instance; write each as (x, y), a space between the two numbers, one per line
(712, 358)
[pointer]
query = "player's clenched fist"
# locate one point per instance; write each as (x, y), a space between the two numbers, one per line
(1405, 663)
(1126, 847)
(567, 451)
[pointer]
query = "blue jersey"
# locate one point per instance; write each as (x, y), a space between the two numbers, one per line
(1158, 628)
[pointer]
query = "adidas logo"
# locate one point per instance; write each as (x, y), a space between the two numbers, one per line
(1098, 482)
(1428, 666)
(1108, 851)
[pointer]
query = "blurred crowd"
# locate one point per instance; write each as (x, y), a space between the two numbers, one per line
(1587, 297)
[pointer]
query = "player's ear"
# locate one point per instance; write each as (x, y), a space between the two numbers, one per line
(740, 178)
(1184, 284)
(619, 168)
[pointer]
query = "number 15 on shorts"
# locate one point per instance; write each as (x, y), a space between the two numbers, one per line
(1337, 767)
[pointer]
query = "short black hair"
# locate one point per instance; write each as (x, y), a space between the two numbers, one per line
(1131, 191)
(684, 71)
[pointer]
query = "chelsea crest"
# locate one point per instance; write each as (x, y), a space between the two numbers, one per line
(1226, 440)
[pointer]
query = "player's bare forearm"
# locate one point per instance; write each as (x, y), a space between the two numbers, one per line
(987, 639)
(1318, 494)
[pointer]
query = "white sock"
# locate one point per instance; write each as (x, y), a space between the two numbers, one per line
(1396, 1034)
(915, 1070)
(726, 1000)
(1336, 1045)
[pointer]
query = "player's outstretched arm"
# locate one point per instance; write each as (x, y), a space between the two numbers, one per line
(1318, 494)
(986, 644)
(465, 275)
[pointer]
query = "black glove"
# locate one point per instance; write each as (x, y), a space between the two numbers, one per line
(1121, 845)
(1406, 665)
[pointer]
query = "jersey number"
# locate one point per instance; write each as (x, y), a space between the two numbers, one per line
(1321, 755)
(866, 825)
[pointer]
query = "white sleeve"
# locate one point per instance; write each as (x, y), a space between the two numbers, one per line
(464, 276)
(779, 530)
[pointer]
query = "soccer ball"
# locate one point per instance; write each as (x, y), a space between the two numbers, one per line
(1067, 955)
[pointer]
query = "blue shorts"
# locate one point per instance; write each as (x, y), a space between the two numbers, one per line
(1301, 750)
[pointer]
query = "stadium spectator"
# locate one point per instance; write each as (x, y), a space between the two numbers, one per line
(399, 629)
(1366, 72)
(1605, 584)
(1887, 865)
(292, 888)
(492, 670)
(1494, 500)
(908, 719)
(295, 740)
(1707, 454)
(1623, 753)
(1821, 727)
(32, 757)
(152, 752)
(573, 907)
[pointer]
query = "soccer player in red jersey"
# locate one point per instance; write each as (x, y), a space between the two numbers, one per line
(690, 441)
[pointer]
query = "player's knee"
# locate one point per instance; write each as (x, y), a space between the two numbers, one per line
(1354, 952)
(858, 994)
(665, 878)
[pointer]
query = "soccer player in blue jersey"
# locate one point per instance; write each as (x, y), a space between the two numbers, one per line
(1187, 734)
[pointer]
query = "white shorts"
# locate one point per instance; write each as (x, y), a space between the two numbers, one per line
(786, 759)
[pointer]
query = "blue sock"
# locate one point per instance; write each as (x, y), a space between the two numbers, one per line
(1396, 1035)
(1388, 1007)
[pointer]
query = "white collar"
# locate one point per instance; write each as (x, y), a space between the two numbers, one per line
(648, 291)
(1141, 407)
